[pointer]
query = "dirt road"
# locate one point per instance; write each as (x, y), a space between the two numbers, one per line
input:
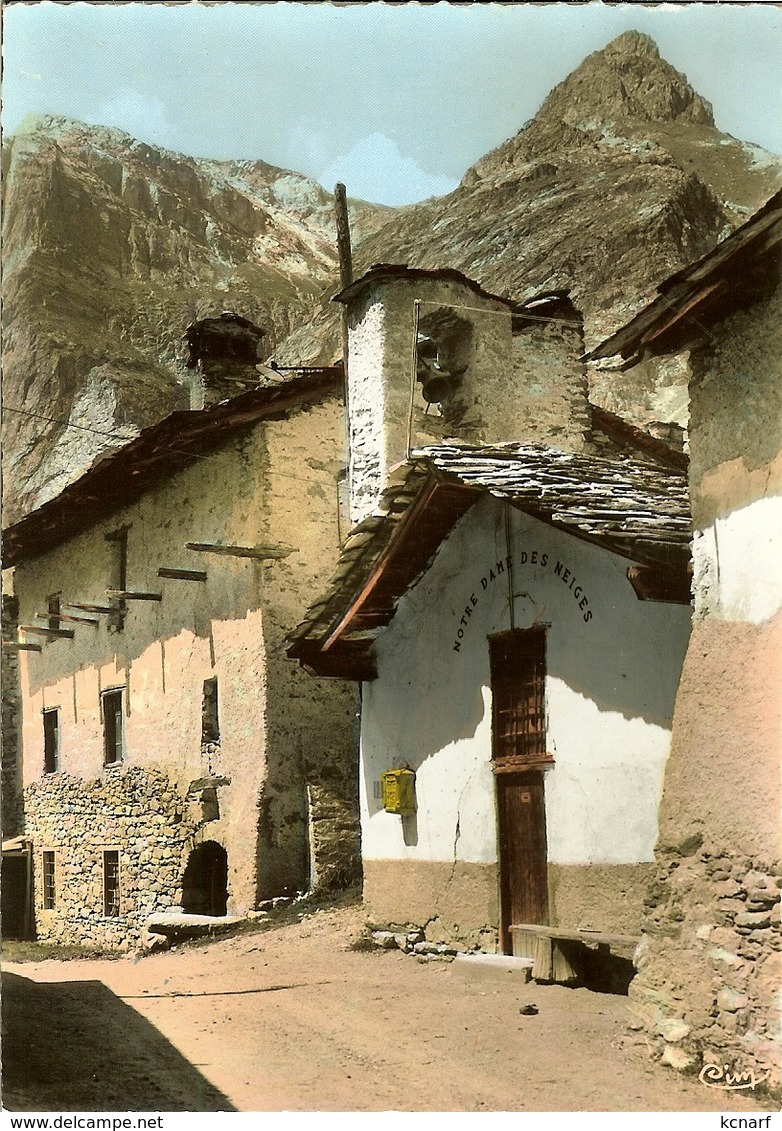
(294, 1019)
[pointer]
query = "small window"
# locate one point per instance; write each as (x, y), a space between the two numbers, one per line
(53, 610)
(210, 719)
(51, 741)
(111, 883)
(518, 684)
(113, 727)
(49, 889)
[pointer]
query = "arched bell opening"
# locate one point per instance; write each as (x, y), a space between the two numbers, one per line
(444, 351)
(205, 882)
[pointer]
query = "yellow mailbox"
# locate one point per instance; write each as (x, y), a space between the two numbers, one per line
(399, 792)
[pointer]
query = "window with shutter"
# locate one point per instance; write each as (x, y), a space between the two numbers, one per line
(113, 726)
(518, 683)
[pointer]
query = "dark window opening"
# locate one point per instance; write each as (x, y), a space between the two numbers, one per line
(49, 890)
(518, 682)
(111, 883)
(113, 727)
(205, 882)
(118, 577)
(230, 337)
(51, 741)
(210, 720)
(53, 609)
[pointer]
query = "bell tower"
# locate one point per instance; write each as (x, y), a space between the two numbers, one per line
(433, 357)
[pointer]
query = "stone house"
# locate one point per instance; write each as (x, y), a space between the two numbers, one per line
(171, 756)
(709, 965)
(514, 600)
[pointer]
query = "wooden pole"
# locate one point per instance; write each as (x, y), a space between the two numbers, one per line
(17, 646)
(345, 278)
(343, 236)
(29, 917)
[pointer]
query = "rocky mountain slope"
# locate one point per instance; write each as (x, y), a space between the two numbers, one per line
(112, 248)
(620, 179)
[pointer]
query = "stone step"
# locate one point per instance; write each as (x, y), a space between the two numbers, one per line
(482, 965)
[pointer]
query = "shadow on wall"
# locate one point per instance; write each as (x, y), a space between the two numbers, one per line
(624, 660)
(74, 1046)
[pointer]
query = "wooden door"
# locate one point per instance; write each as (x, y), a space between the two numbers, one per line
(521, 815)
(518, 683)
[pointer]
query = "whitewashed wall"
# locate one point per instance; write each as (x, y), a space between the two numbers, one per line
(613, 665)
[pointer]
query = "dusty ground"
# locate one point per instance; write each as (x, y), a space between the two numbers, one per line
(293, 1019)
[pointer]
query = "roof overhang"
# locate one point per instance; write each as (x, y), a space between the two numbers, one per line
(628, 506)
(381, 273)
(742, 269)
(121, 477)
(380, 560)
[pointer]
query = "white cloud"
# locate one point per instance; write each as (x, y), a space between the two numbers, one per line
(308, 146)
(375, 169)
(142, 117)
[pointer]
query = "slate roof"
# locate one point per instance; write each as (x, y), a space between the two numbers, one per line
(627, 503)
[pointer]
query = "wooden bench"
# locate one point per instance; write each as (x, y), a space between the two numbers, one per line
(554, 950)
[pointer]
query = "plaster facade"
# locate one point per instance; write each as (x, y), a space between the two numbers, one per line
(612, 668)
(710, 963)
(275, 787)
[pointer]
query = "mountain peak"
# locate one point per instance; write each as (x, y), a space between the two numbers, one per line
(626, 79)
(632, 43)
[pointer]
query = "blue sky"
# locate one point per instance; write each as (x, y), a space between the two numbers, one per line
(397, 101)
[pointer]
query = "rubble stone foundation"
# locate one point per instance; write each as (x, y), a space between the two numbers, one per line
(710, 970)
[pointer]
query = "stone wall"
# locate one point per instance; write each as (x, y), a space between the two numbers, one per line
(549, 385)
(709, 964)
(11, 723)
(138, 812)
(278, 786)
(310, 790)
(527, 384)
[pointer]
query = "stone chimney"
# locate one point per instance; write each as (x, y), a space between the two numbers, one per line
(431, 355)
(224, 352)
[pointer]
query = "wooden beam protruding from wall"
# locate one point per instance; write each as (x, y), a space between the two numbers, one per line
(66, 633)
(125, 595)
(68, 617)
(92, 608)
(182, 574)
(653, 583)
(258, 552)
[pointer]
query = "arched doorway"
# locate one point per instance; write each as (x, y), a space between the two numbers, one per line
(205, 882)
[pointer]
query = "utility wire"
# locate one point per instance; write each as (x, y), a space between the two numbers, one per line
(497, 313)
(128, 439)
